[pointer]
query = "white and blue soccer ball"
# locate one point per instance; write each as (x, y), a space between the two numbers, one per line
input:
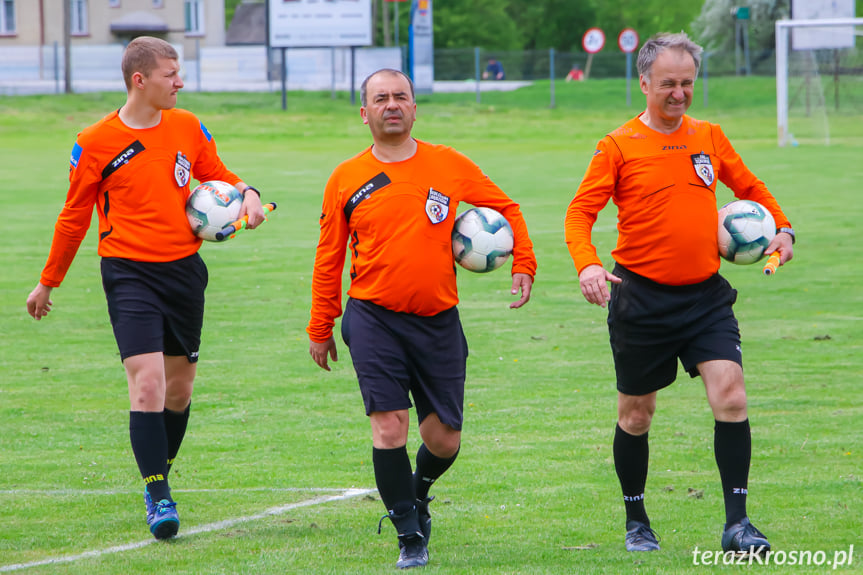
(745, 230)
(482, 240)
(212, 206)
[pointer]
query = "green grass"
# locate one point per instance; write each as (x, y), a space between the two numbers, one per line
(534, 489)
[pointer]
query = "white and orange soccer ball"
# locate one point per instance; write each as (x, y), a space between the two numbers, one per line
(212, 206)
(482, 240)
(745, 230)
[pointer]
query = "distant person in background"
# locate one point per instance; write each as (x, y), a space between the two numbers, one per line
(575, 74)
(494, 70)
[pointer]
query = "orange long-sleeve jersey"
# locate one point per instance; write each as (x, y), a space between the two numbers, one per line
(664, 187)
(397, 219)
(139, 181)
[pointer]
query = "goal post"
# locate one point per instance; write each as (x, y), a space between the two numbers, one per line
(841, 26)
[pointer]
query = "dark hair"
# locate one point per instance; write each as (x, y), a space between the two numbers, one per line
(392, 71)
(664, 41)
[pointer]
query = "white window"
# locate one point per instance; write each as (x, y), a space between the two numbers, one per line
(194, 17)
(7, 17)
(78, 12)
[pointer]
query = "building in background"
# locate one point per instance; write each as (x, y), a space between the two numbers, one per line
(187, 23)
(34, 59)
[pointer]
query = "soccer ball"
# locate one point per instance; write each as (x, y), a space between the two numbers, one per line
(212, 206)
(481, 240)
(745, 229)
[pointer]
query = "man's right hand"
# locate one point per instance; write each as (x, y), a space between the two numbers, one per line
(320, 351)
(594, 284)
(39, 301)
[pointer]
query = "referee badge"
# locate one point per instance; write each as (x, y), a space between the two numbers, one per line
(181, 170)
(703, 167)
(437, 206)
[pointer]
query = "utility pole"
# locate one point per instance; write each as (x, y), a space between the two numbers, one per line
(385, 19)
(67, 45)
(374, 21)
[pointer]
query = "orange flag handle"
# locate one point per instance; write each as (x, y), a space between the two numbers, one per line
(772, 264)
(234, 228)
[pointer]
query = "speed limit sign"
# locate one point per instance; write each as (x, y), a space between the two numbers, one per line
(628, 40)
(593, 40)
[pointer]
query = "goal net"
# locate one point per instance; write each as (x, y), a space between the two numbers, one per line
(819, 79)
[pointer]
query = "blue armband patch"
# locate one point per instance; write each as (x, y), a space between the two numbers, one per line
(77, 150)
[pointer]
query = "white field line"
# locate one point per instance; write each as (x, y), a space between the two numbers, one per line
(207, 528)
(78, 492)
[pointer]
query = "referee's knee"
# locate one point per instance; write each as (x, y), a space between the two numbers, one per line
(635, 424)
(731, 406)
(634, 413)
(444, 446)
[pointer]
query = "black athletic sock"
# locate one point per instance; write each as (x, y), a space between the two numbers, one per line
(394, 478)
(732, 445)
(175, 429)
(150, 446)
(429, 468)
(631, 454)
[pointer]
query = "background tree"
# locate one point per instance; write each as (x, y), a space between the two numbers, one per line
(558, 24)
(647, 17)
(714, 27)
(460, 24)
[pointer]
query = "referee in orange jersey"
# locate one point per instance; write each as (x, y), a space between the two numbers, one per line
(668, 301)
(134, 166)
(393, 205)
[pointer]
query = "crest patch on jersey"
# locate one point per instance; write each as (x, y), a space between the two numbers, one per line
(437, 206)
(703, 167)
(182, 169)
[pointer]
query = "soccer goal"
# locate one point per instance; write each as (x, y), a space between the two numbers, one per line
(819, 75)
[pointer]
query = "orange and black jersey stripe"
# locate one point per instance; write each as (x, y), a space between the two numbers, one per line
(139, 182)
(397, 220)
(664, 187)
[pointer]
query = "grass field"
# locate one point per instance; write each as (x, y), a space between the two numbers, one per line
(534, 490)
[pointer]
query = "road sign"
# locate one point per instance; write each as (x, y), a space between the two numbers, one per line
(627, 40)
(593, 40)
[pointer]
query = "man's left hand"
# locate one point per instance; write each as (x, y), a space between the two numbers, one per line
(521, 282)
(783, 244)
(253, 208)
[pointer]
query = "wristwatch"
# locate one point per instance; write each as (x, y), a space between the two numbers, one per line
(250, 188)
(788, 231)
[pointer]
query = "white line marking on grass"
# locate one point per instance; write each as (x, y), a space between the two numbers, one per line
(207, 528)
(78, 492)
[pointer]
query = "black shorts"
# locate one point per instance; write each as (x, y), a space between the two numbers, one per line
(397, 354)
(156, 306)
(653, 325)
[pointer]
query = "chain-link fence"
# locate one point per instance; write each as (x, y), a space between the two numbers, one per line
(528, 65)
(826, 78)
